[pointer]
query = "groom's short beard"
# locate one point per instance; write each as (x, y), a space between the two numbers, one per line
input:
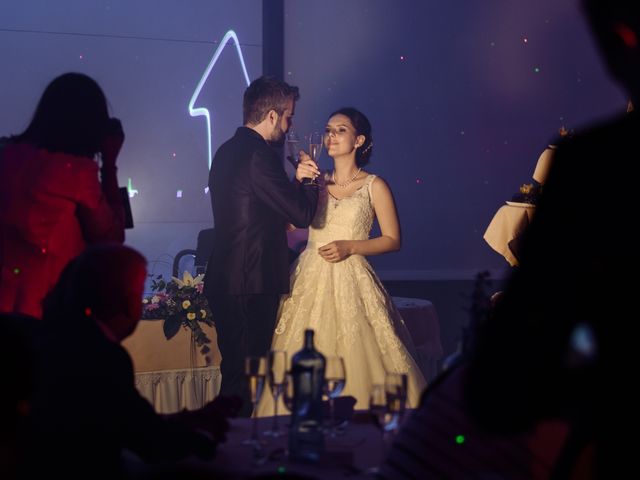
(277, 137)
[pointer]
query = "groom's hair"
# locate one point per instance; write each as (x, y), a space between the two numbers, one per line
(266, 94)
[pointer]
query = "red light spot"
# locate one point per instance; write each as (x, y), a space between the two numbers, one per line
(402, 57)
(418, 181)
(627, 35)
(87, 312)
(43, 250)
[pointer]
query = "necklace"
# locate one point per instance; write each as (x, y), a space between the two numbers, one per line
(348, 182)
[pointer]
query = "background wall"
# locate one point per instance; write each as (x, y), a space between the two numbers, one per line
(148, 56)
(463, 97)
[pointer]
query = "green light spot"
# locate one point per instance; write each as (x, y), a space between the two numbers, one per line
(16, 271)
(460, 439)
(282, 470)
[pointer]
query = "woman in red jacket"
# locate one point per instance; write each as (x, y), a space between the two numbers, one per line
(52, 203)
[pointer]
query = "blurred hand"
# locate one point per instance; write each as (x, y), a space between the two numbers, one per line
(307, 168)
(112, 142)
(335, 252)
(213, 417)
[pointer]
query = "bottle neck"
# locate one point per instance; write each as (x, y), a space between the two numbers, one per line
(308, 340)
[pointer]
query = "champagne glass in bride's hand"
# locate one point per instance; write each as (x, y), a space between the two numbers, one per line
(334, 382)
(255, 369)
(276, 372)
(315, 147)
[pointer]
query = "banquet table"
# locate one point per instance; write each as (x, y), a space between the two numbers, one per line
(422, 321)
(173, 374)
(506, 227)
(355, 451)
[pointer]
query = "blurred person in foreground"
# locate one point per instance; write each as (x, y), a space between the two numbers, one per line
(559, 345)
(86, 410)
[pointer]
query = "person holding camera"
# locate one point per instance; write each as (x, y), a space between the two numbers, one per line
(52, 203)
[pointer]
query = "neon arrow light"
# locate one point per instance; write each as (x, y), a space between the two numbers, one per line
(196, 112)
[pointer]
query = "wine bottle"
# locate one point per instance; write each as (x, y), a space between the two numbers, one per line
(306, 439)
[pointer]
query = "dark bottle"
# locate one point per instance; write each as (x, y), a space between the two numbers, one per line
(306, 440)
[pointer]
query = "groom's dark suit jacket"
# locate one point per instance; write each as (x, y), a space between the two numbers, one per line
(253, 200)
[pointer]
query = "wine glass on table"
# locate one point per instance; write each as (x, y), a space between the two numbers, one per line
(334, 382)
(315, 147)
(383, 418)
(287, 391)
(276, 372)
(255, 369)
(395, 385)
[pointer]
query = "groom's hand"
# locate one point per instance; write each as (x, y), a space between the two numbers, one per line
(337, 251)
(307, 168)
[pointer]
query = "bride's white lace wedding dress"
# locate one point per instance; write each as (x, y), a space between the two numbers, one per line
(346, 305)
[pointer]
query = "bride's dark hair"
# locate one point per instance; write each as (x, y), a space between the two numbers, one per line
(363, 127)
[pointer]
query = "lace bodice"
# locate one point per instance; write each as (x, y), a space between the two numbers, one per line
(349, 218)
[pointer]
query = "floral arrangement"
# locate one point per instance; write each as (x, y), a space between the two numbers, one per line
(181, 303)
(528, 193)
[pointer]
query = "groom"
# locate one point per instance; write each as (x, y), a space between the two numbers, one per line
(253, 200)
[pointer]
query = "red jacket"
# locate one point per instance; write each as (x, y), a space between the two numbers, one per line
(51, 206)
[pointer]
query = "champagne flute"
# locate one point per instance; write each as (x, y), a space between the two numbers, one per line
(255, 369)
(277, 369)
(287, 391)
(334, 382)
(315, 147)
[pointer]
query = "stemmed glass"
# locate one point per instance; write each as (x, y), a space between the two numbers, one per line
(395, 385)
(384, 415)
(255, 369)
(315, 147)
(334, 382)
(287, 391)
(277, 369)
(293, 147)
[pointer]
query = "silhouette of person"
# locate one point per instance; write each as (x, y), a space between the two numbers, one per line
(253, 200)
(559, 340)
(51, 202)
(17, 333)
(86, 409)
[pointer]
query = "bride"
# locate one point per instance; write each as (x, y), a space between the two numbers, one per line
(334, 290)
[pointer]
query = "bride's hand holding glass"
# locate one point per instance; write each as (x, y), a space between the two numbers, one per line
(307, 168)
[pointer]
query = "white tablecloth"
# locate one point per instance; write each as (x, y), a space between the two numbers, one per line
(505, 228)
(173, 374)
(421, 319)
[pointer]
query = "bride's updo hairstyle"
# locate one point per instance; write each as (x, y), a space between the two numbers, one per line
(363, 127)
